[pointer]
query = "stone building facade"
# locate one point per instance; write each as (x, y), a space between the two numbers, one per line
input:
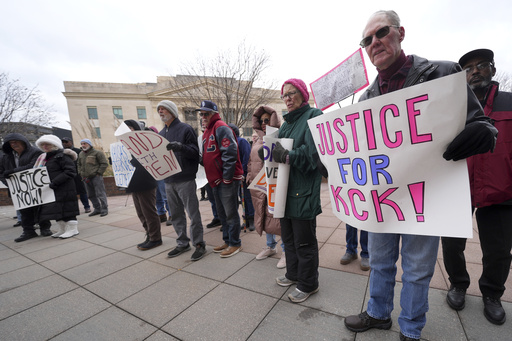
(97, 109)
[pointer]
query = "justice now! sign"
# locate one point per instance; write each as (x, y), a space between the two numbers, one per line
(30, 188)
(385, 164)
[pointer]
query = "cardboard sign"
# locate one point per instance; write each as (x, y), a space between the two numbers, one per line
(30, 187)
(345, 79)
(123, 169)
(150, 150)
(385, 164)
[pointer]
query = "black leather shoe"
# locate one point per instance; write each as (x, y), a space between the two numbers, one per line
(456, 298)
(45, 232)
(363, 322)
(405, 338)
(493, 311)
(150, 245)
(18, 223)
(94, 213)
(214, 223)
(25, 236)
(102, 214)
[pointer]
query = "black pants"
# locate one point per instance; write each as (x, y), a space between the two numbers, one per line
(495, 232)
(301, 250)
(29, 218)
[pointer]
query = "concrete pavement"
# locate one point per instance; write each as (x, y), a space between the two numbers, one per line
(99, 286)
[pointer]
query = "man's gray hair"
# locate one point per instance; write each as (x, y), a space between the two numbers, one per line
(393, 18)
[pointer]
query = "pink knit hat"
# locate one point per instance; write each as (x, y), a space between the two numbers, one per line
(300, 85)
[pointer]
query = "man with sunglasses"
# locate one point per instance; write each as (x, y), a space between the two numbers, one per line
(224, 172)
(382, 38)
(491, 196)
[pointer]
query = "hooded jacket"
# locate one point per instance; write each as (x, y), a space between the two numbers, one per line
(263, 220)
(62, 170)
(490, 174)
(27, 158)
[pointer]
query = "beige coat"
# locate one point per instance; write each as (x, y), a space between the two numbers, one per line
(263, 221)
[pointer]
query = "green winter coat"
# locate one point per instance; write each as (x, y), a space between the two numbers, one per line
(303, 199)
(91, 163)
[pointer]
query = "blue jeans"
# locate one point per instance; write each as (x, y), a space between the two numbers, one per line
(352, 241)
(161, 199)
(211, 199)
(249, 208)
(226, 199)
(271, 241)
(419, 255)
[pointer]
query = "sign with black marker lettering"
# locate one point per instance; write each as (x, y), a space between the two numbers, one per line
(30, 187)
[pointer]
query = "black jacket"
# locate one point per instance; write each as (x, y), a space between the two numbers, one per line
(27, 158)
(62, 171)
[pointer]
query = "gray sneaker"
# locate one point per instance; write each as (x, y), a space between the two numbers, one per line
(347, 258)
(298, 296)
(365, 264)
(285, 282)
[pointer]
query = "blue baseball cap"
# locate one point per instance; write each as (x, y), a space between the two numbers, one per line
(207, 106)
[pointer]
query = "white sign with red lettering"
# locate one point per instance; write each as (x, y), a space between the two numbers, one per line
(384, 158)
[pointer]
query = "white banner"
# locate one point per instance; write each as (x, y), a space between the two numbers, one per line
(30, 187)
(384, 157)
(277, 186)
(123, 169)
(149, 148)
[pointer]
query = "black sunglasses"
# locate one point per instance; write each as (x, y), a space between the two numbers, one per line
(266, 121)
(381, 33)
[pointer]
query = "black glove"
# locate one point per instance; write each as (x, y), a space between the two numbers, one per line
(321, 169)
(261, 154)
(175, 146)
(279, 153)
(8, 173)
(476, 138)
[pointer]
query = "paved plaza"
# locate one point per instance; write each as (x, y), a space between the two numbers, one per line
(99, 286)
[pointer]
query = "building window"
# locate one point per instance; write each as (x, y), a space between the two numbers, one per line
(191, 115)
(98, 132)
(247, 132)
(141, 113)
(92, 112)
(118, 112)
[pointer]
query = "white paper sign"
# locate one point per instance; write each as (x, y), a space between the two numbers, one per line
(123, 169)
(30, 187)
(345, 79)
(277, 186)
(384, 157)
(150, 150)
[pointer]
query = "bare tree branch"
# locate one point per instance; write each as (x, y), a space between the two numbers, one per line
(234, 81)
(505, 80)
(21, 104)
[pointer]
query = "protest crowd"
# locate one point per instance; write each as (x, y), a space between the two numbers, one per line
(233, 169)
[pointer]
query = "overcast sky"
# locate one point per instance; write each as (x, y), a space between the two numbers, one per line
(43, 43)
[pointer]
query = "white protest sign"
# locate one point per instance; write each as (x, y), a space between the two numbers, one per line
(277, 186)
(345, 79)
(30, 187)
(384, 157)
(150, 150)
(123, 169)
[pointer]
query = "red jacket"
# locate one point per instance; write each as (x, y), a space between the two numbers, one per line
(220, 153)
(490, 174)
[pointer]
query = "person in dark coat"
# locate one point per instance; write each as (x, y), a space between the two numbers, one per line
(18, 156)
(62, 170)
(67, 143)
(143, 188)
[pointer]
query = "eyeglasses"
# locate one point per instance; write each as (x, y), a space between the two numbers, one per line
(266, 121)
(479, 66)
(204, 114)
(288, 94)
(381, 33)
